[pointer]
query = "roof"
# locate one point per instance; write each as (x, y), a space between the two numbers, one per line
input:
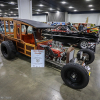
(35, 24)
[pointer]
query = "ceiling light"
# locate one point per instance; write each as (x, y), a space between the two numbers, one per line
(41, 5)
(14, 14)
(51, 9)
(5, 13)
(2, 5)
(63, 2)
(16, 8)
(11, 12)
(88, 0)
(90, 5)
(91, 9)
(0, 10)
(38, 10)
(58, 12)
(46, 12)
(70, 7)
(12, 3)
(75, 10)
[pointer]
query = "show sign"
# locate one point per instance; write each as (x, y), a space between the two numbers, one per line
(37, 58)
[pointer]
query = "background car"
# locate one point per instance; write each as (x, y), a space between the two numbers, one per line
(70, 35)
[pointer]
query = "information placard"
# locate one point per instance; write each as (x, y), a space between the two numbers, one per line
(37, 58)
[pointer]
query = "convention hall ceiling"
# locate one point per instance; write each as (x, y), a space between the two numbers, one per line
(10, 7)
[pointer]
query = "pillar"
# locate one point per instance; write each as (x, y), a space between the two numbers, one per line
(25, 9)
(69, 17)
(98, 20)
(46, 18)
(66, 17)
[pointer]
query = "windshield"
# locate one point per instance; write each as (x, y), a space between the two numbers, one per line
(66, 27)
(58, 27)
(72, 28)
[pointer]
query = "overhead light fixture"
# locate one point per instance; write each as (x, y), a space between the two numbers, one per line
(2, 5)
(0, 10)
(11, 12)
(14, 14)
(75, 10)
(16, 8)
(51, 9)
(92, 9)
(46, 12)
(90, 5)
(57, 11)
(88, 0)
(12, 3)
(41, 5)
(70, 7)
(38, 10)
(5, 13)
(63, 2)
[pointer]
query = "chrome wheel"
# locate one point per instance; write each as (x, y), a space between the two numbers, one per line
(84, 44)
(87, 56)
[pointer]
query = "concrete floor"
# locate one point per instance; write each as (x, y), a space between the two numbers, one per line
(18, 81)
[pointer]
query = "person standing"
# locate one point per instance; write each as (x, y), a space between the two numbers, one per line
(74, 25)
(81, 27)
(85, 28)
(52, 24)
(68, 23)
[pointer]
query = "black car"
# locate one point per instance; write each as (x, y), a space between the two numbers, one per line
(70, 35)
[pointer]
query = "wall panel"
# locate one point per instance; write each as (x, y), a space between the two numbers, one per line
(40, 18)
(81, 18)
(56, 17)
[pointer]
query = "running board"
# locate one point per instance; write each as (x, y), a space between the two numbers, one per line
(54, 63)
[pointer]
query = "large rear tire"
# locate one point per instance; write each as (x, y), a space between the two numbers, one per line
(8, 49)
(75, 76)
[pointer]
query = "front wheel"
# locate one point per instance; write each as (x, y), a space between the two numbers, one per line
(75, 76)
(90, 56)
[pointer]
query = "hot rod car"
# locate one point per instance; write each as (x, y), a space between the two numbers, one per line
(70, 35)
(26, 36)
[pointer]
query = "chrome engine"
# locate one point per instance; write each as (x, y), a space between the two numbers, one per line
(59, 51)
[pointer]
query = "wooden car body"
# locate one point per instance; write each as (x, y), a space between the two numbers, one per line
(24, 41)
